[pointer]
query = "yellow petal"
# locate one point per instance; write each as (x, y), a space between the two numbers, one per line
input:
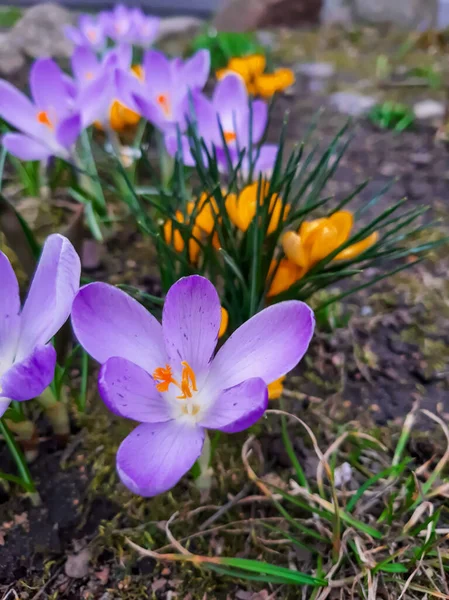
(255, 63)
(207, 210)
(241, 210)
(286, 275)
(138, 71)
(224, 322)
(270, 83)
(343, 222)
(194, 247)
(174, 237)
(323, 241)
(276, 210)
(307, 227)
(275, 388)
(294, 249)
(358, 248)
(116, 121)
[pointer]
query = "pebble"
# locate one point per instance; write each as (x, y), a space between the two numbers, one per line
(172, 26)
(352, 104)
(429, 109)
(421, 158)
(319, 70)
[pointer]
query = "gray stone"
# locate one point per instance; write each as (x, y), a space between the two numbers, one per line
(40, 31)
(318, 70)
(404, 13)
(337, 11)
(11, 57)
(352, 104)
(173, 26)
(429, 109)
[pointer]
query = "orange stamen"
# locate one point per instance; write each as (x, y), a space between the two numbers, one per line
(43, 118)
(164, 103)
(163, 376)
(229, 136)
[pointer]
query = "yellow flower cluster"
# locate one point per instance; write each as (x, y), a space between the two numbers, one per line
(258, 83)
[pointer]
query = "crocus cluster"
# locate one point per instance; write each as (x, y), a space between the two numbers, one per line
(27, 359)
(121, 25)
(108, 90)
(168, 378)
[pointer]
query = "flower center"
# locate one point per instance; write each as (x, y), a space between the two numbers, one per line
(163, 376)
(92, 35)
(164, 103)
(229, 136)
(42, 117)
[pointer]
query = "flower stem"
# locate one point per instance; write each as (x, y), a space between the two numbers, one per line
(26, 479)
(56, 412)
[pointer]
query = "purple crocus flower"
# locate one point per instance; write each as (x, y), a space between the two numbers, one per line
(89, 33)
(229, 107)
(167, 378)
(96, 80)
(161, 95)
(27, 360)
(49, 125)
(130, 25)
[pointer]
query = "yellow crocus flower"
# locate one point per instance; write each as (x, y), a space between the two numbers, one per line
(242, 208)
(314, 241)
(224, 322)
(202, 226)
(258, 83)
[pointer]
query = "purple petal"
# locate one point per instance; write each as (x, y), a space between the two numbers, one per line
(17, 110)
(171, 144)
(9, 313)
(26, 148)
(51, 294)
(266, 158)
(269, 345)
(148, 109)
(4, 403)
(195, 70)
(127, 87)
(95, 99)
(157, 70)
(206, 117)
(154, 457)
(191, 321)
(260, 118)
(230, 101)
(84, 64)
(29, 377)
(108, 322)
(74, 35)
(47, 86)
(238, 407)
(69, 130)
(129, 391)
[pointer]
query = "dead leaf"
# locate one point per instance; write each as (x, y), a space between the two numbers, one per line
(103, 575)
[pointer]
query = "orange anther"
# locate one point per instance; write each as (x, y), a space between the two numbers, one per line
(43, 118)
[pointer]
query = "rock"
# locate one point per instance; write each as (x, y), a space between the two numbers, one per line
(404, 13)
(318, 70)
(77, 565)
(11, 57)
(352, 104)
(40, 31)
(337, 11)
(246, 15)
(429, 109)
(172, 26)
(421, 159)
